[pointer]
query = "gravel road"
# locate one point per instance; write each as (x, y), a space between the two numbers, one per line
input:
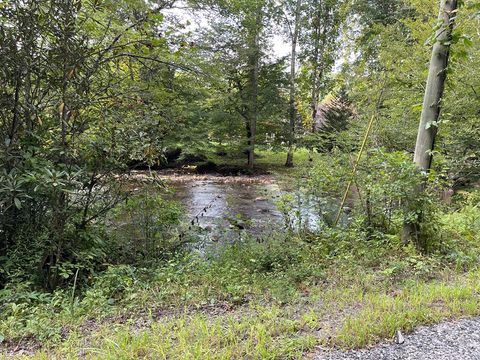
(454, 340)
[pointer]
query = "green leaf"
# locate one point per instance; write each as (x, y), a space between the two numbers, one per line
(417, 107)
(17, 202)
(467, 41)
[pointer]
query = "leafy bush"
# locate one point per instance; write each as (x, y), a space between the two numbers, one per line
(146, 228)
(50, 222)
(461, 231)
(26, 312)
(383, 193)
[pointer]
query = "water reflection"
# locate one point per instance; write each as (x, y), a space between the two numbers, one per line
(234, 205)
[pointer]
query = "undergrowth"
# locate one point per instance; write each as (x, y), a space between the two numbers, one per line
(276, 299)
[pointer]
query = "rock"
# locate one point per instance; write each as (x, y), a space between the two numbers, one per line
(399, 339)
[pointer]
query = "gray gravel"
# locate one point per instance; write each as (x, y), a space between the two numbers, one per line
(455, 340)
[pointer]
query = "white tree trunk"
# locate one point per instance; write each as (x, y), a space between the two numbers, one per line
(428, 127)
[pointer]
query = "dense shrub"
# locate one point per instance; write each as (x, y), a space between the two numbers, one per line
(146, 228)
(382, 195)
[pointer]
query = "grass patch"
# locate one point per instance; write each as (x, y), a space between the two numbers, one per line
(381, 314)
(263, 333)
(343, 316)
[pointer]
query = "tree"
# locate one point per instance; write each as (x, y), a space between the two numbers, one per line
(254, 28)
(66, 86)
(319, 44)
(293, 31)
(237, 42)
(434, 89)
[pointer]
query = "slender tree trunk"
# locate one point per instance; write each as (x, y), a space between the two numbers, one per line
(248, 124)
(254, 72)
(292, 109)
(318, 59)
(9, 217)
(428, 127)
(315, 75)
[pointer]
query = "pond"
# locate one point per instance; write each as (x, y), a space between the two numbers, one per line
(236, 205)
(231, 204)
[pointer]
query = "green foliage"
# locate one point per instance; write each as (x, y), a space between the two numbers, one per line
(51, 240)
(146, 228)
(253, 279)
(461, 229)
(382, 196)
(26, 312)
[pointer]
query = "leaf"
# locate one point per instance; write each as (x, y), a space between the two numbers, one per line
(2, 338)
(467, 42)
(17, 202)
(417, 107)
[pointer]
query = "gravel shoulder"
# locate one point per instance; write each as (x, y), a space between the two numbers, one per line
(453, 340)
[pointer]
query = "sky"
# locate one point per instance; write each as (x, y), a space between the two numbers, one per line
(280, 47)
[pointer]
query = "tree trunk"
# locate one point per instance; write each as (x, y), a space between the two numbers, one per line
(248, 124)
(428, 127)
(254, 71)
(314, 74)
(318, 58)
(292, 109)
